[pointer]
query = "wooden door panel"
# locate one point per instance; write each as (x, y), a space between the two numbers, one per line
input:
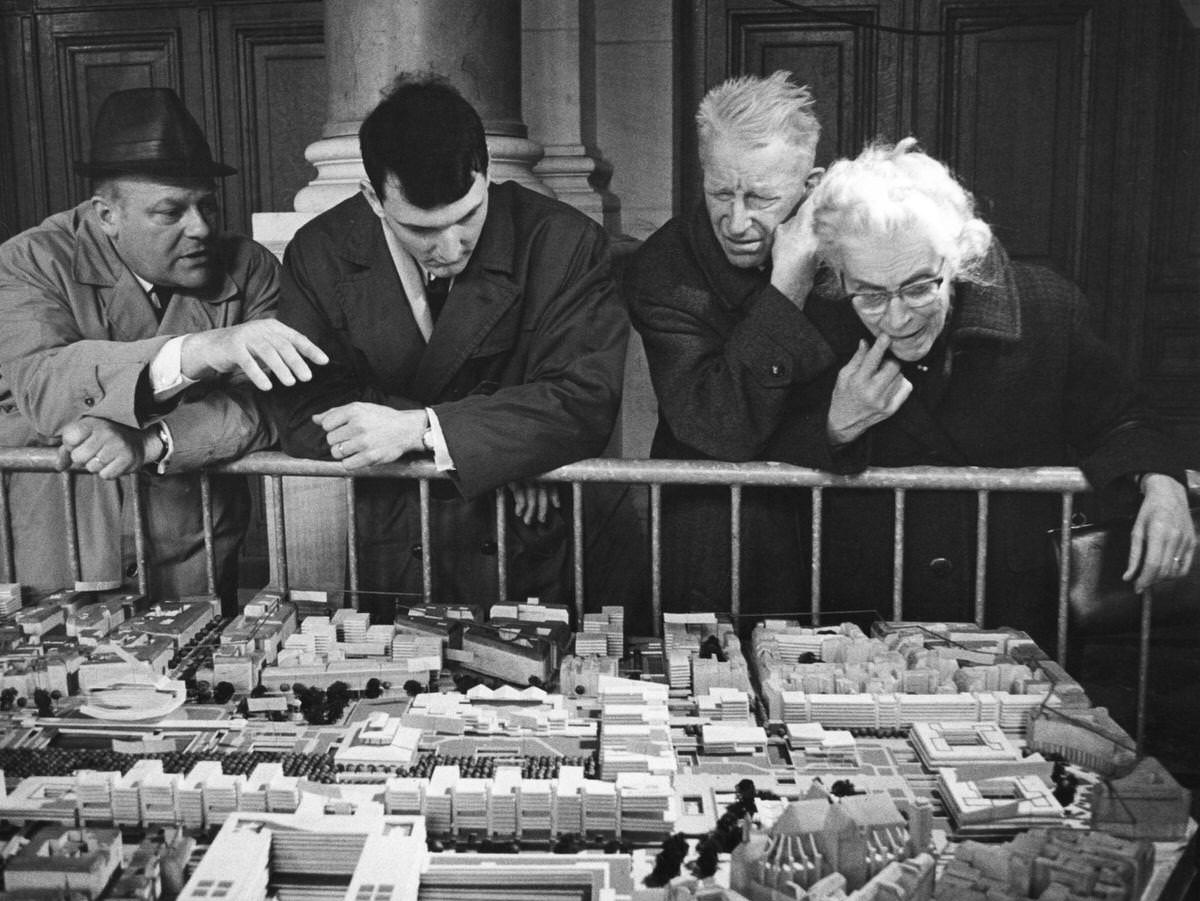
(837, 61)
(1013, 116)
(87, 56)
(272, 75)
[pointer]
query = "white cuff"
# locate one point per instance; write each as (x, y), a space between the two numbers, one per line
(441, 454)
(164, 459)
(166, 370)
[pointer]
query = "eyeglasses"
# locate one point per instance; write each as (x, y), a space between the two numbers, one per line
(915, 296)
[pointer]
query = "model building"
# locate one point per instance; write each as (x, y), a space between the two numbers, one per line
(302, 744)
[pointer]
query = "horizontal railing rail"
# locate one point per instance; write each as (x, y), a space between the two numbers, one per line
(273, 467)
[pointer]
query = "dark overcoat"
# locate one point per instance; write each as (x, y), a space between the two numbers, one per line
(1018, 379)
(523, 370)
(730, 359)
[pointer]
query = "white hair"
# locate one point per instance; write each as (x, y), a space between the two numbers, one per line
(755, 111)
(888, 190)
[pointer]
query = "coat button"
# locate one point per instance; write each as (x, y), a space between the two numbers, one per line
(941, 567)
(488, 547)
(416, 550)
(776, 370)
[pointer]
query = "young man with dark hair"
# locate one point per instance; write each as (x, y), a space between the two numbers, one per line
(471, 320)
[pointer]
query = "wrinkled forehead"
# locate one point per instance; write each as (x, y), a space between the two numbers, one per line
(888, 259)
(779, 164)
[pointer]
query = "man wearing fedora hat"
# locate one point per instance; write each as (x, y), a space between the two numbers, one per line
(138, 337)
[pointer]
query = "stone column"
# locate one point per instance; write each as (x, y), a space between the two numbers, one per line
(474, 43)
(559, 86)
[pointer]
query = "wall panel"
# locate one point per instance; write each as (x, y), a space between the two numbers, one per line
(251, 71)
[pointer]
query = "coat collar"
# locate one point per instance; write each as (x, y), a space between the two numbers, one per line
(480, 296)
(991, 308)
(731, 285)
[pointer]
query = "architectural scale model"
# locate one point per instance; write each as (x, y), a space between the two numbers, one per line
(156, 751)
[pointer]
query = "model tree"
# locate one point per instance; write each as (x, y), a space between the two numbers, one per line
(668, 861)
(223, 692)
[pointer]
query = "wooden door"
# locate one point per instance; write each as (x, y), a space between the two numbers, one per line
(252, 73)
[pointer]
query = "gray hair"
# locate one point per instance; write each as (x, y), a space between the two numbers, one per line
(890, 189)
(756, 111)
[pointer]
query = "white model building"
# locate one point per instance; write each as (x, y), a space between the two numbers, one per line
(56, 857)
(855, 837)
(1042, 863)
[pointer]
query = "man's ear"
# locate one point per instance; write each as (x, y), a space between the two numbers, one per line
(106, 212)
(372, 198)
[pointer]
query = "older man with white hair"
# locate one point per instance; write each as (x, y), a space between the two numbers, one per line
(718, 295)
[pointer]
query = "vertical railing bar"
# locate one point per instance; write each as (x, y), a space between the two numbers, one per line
(656, 557)
(426, 550)
(352, 541)
(577, 547)
(6, 539)
(981, 551)
(818, 501)
(501, 546)
(735, 550)
(139, 534)
(1064, 574)
(281, 562)
(206, 516)
(1144, 669)
(67, 481)
(268, 491)
(898, 558)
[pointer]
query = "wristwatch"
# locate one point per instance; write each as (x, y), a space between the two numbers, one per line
(164, 437)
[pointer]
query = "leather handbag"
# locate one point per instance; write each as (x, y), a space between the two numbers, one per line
(1101, 602)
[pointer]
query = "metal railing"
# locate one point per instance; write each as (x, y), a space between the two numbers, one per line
(273, 467)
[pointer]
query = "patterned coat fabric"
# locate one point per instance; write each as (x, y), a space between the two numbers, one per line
(523, 369)
(78, 331)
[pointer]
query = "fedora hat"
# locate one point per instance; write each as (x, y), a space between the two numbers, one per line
(148, 131)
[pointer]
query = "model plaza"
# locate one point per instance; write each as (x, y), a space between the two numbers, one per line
(302, 751)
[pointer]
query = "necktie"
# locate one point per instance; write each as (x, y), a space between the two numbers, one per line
(436, 292)
(162, 297)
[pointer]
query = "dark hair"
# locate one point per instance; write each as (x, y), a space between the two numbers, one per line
(428, 136)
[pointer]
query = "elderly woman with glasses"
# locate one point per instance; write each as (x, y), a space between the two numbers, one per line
(956, 355)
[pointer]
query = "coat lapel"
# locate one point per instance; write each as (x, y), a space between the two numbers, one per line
(376, 308)
(478, 299)
(471, 312)
(127, 309)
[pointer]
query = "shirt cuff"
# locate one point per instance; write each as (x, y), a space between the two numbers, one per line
(164, 459)
(442, 460)
(166, 371)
